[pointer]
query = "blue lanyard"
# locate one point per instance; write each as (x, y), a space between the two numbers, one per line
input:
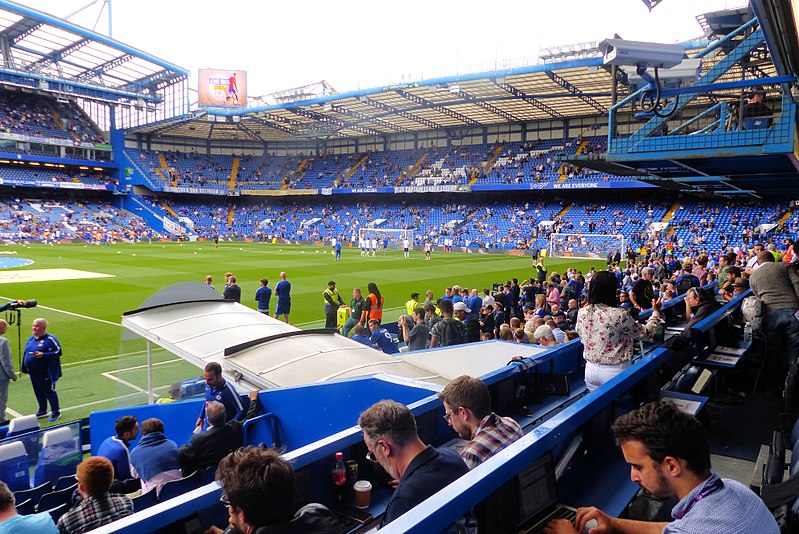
(710, 489)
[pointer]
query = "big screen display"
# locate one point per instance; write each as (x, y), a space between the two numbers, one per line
(222, 87)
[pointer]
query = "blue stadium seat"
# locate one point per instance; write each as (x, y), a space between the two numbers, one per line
(58, 511)
(55, 499)
(23, 425)
(33, 494)
(757, 123)
(14, 466)
(174, 488)
(145, 500)
(209, 475)
(26, 507)
(64, 482)
(60, 456)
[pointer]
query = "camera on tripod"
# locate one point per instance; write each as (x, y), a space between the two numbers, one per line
(17, 304)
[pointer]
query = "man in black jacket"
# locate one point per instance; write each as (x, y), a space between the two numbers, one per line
(206, 448)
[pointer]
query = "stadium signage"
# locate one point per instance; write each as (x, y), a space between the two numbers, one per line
(54, 185)
(195, 190)
(279, 192)
(47, 140)
(433, 189)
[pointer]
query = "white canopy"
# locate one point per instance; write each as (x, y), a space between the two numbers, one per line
(256, 351)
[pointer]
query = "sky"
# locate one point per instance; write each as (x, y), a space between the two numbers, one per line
(361, 44)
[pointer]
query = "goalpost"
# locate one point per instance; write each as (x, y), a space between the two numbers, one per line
(585, 245)
(395, 236)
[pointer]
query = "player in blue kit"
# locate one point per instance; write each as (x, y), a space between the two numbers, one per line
(263, 295)
(382, 338)
(283, 292)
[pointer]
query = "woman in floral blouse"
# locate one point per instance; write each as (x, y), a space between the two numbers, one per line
(608, 332)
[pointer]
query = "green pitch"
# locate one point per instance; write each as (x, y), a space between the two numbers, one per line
(105, 367)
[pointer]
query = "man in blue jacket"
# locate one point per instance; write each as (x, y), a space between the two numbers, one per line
(42, 362)
(155, 459)
(220, 390)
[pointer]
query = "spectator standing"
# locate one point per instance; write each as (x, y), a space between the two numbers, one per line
(218, 389)
(98, 508)
(6, 371)
(467, 408)
(416, 335)
(472, 325)
(13, 523)
(389, 432)
(155, 459)
(544, 336)
(232, 290)
(333, 301)
(642, 294)
(777, 287)
(263, 295)
(42, 362)
(283, 292)
(356, 311)
(373, 308)
(447, 331)
(608, 332)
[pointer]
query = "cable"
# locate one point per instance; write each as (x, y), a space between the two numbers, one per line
(655, 106)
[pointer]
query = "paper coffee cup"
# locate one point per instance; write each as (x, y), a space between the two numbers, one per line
(363, 493)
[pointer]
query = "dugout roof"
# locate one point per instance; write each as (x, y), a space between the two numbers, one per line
(41, 45)
(195, 323)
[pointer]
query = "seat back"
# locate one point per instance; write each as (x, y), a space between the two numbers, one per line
(60, 456)
(55, 499)
(64, 482)
(757, 123)
(26, 507)
(145, 500)
(58, 511)
(209, 475)
(36, 493)
(14, 466)
(22, 424)
(173, 488)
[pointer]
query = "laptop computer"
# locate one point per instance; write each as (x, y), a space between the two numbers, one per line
(538, 494)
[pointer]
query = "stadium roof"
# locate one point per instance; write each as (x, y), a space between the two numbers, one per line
(42, 46)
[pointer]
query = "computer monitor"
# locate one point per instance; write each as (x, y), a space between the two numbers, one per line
(537, 488)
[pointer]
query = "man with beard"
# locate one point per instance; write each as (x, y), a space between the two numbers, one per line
(669, 456)
(467, 404)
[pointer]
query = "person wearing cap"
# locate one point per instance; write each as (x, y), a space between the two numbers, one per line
(544, 336)
(740, 285)
(463, 313)
(560, 320)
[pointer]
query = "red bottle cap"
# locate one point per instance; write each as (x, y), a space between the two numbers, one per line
(339, 456)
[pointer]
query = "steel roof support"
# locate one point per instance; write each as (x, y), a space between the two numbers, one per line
(404, 114)
(576, 92)
(529, 99)
(441, 108)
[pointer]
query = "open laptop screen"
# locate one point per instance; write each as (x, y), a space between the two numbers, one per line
(537, 489)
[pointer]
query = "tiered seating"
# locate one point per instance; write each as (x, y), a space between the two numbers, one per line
(38, 116)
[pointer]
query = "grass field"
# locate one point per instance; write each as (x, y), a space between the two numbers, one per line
(105, 368)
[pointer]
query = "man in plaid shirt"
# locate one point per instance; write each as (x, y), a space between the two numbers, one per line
(467, 405)
(95, 475)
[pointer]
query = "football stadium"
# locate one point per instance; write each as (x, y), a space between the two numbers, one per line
(534, 296)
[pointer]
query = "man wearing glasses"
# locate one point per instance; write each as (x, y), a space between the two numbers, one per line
(389, 431)
(467, 404)
(258, 491)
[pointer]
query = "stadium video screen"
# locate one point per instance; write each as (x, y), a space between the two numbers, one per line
(221, 87)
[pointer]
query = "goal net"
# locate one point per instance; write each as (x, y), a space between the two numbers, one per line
(393, 236)
(585, 245)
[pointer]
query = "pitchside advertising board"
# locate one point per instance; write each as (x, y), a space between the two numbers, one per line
(222, 87)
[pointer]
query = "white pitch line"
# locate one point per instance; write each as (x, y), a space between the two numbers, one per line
(125, 382)
(101, 358)
(71, 313)
(13, 412)
(144, 366)
(94, 403)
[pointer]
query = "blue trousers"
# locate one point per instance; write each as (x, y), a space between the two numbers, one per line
(782, 335)
(44, 389)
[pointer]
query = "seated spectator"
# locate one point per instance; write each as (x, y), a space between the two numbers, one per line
(98, 508)
(381, 338)
(13, 523)
(117, 448)
(206, 448)
(559, 318)
(155, 459)
(543, 336)
(571, 314)
(669, 457)
(467, 405)
(357, 335)
(418, 334)
(700, 304)
(258, 488)
(519, 336)
(389, 432)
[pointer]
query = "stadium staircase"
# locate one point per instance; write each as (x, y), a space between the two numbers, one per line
(352, 170)
(141, 172)
(565, 209)
(488, 164)
(562, 174)
(413, 171)
(234, 172)
(163, 172)
(231, 212)
(669, 216)
(169, 209)
(785, 216)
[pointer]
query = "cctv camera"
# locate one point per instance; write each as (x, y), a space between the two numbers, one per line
(640, 54)
(685, 72)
